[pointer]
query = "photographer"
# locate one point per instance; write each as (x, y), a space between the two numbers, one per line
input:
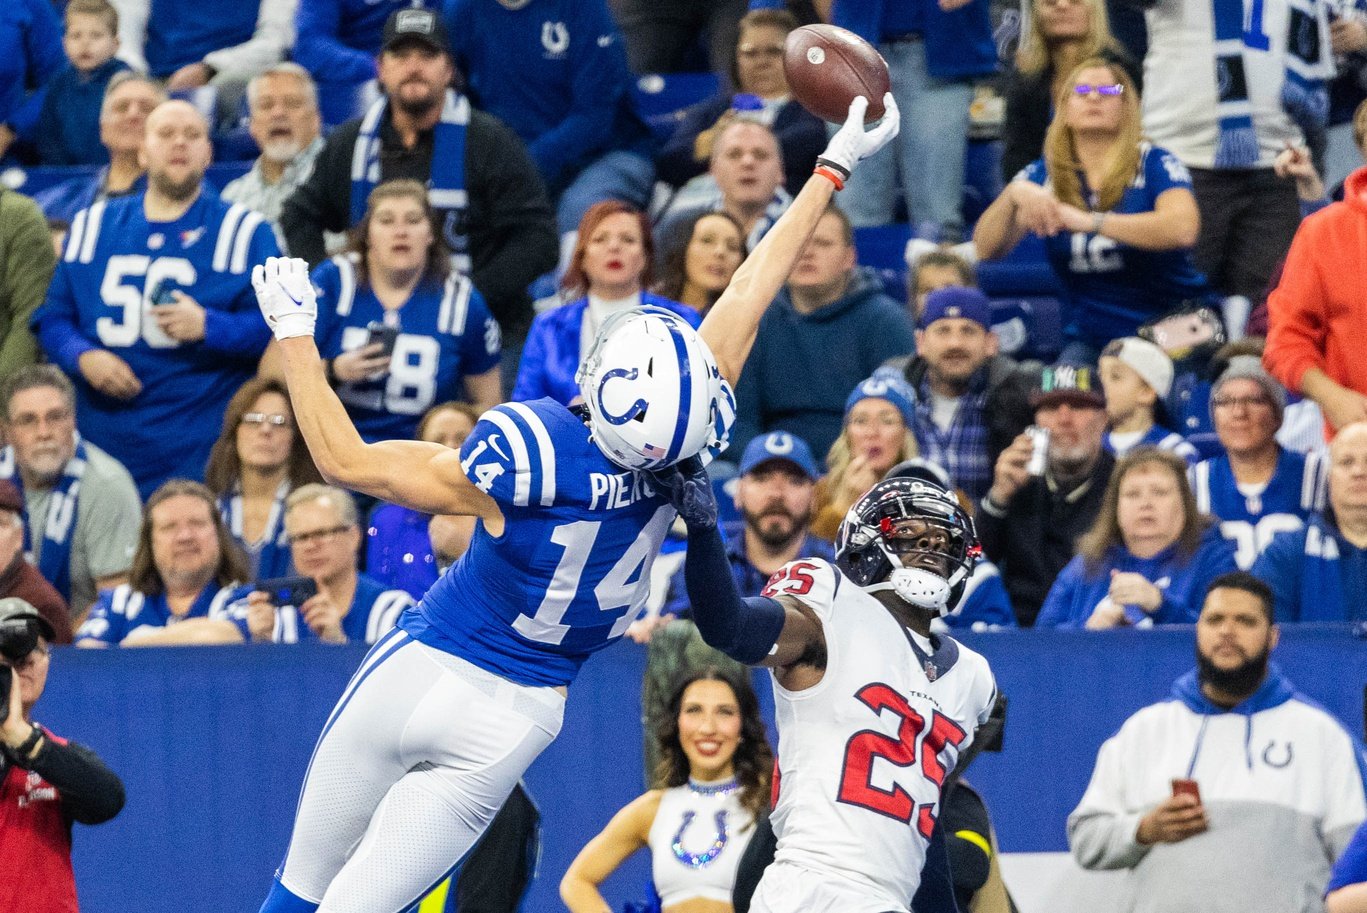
(46, 783)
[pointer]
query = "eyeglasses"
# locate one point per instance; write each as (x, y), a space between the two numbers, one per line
(1084, 89)
(262, 418)
(317, 535)
(27, 420)
(1234, 402)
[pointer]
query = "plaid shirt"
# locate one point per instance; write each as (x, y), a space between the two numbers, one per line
(252, 191)
(961, 450)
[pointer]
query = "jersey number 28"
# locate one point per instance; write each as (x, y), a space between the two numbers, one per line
(866, 746)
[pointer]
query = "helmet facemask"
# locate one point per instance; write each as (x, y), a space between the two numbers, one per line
(911, 538)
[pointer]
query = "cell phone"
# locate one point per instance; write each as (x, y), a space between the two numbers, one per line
(1186, 787)
(384, 334)
(162, 294)
(283, 591)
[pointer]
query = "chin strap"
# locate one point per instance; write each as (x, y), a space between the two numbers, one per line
(918, 586)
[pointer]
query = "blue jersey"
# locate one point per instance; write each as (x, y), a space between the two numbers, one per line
(374, 609)
(572, 568)
(123, 610)
(1315, 574)
(180, 33)
(1251, 518)
(1113, 287)
(100, 298)
(445, 333)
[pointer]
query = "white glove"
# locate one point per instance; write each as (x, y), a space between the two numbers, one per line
(286, 296)
(852, 143)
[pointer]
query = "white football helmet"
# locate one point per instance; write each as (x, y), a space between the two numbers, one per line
(653, 390)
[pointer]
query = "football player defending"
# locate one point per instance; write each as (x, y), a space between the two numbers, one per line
(448, 709)
(873, 710)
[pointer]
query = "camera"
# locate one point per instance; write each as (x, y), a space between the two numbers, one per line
(18, 638)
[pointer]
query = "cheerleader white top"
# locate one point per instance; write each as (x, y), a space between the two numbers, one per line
(699, 833)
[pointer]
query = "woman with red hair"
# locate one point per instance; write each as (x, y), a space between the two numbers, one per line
(609, 272)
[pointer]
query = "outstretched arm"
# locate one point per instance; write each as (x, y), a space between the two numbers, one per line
(417, 474)
(731, 324)
(758, 630)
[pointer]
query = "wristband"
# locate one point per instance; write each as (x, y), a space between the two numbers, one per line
(830, 175)
(835, 166)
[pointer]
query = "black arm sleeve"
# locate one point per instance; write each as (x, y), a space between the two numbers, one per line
(512, 229)
(970, 864)
(744, 629)
(91, 792)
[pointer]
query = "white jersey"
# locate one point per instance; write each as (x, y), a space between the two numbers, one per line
(862, 755)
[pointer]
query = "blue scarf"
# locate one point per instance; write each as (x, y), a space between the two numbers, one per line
(55, 564)
(446, 188)
(1308, 66)
(270, 556)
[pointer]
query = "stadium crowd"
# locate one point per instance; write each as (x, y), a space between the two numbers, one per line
(479, 186)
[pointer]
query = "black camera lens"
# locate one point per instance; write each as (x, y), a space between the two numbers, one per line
(18, 639)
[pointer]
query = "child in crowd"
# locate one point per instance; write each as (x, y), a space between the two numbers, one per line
(1136, 375)
(68, 128)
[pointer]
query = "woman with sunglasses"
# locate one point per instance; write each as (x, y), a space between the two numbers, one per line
(258, 459)
(1117, 214)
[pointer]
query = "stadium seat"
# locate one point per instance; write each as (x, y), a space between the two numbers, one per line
(1023, 272)
(30, 181)
(661, 98)
(881, 247)
(1207, 444)
(982, 177)
(1028, 327)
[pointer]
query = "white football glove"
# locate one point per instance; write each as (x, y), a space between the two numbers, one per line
(852, 143)
(286, 296)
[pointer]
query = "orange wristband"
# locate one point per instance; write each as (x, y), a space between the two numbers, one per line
(829, 173)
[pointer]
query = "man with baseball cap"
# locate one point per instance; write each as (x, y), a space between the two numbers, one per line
(486, 191)
(1028, 523)
(971, 400)
(1256, 487)
(774, 495)
(1136, 375)
(46, 782)
(20, 579)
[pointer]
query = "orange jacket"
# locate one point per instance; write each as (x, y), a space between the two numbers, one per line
(1317, 315)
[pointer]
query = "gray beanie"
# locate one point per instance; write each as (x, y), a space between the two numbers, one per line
(1250, 367)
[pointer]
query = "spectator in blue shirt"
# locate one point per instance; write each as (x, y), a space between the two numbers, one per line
(830, 327)
(763, 94)
(1319, 573)
(127, 101)
(337, 41)
(555, 72)
(1117, 215)
(189, 44)
(934, 49)
(1148, 559)
(608, 272)
(30, 55)
(68, 132)
(1347, 891)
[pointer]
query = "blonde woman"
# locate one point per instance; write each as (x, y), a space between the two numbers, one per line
(1117, 214)
(876, 437)
(1148, 558)
(1057, 35)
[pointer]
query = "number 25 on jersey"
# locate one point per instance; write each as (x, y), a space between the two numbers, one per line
(868, 745)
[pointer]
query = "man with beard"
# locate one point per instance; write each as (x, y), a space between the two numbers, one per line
(774, 497)
(286, 127)
(1319, 572)
(971, 401)
(151, 311)
(1236, 793)
(486, 189)
(1029, 523)
(80, 504)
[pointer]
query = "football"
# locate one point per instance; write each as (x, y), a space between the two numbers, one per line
(828, 66)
